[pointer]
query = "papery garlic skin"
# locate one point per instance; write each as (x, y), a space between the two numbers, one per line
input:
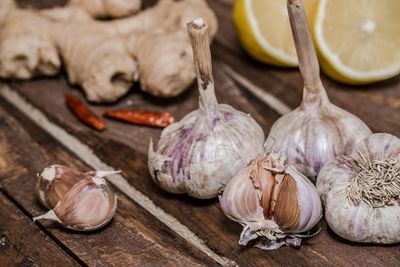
(194, 159)
(199, 154)
(360, 210)
(55, 181)
(274, 205)
(317, 131)
(314, 134)
(88, 205)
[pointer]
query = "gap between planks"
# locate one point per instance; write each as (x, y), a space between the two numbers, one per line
(86, 154)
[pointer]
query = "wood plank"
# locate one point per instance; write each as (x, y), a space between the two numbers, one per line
(377, 104)
(22, 243)
(134, 237)
(220, 233)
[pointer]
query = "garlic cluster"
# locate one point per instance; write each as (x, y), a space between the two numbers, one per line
(317, 131)
(79, 201)
(361, 192)
(199, 154)
(274, 203)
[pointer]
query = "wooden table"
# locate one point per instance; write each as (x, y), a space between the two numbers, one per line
(152, 227)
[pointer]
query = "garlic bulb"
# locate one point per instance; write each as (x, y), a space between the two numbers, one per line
(200, 154)
(274, 204)
(56, 180)
(317, 131)
(361, 192)
(88, 205)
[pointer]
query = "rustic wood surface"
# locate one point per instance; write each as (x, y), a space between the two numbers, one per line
(152, 227)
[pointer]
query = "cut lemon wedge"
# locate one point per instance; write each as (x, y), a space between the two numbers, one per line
(358, 40)
(264, 30)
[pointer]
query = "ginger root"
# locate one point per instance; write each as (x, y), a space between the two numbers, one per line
(26, 46)
(97, 61)
(105, 57)
(164, 53)
(166, 64)
(108, 8)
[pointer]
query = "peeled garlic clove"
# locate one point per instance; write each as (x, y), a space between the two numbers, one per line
(274, 205)
(88, 205)
(362, 191)
(317, 131)
(199, 154)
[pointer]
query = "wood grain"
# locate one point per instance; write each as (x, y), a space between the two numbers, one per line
(23, 244)
(134, 237)
(220, 233)
(124, 147)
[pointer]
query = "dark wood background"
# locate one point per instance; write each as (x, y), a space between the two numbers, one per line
(142, 233)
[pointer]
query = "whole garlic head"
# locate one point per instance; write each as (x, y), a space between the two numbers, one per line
(199, 154)
(317, 131)
(88, 205)
(361, 192)
(273, 203)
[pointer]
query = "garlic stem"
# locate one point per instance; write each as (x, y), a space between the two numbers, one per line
(198, 33)
(314, 91)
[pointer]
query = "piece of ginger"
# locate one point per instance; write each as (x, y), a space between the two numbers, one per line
(108, 8)
(26, 46)
(106, 57)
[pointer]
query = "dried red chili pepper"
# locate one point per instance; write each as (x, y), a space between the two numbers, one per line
(156, 119)
(84, 113)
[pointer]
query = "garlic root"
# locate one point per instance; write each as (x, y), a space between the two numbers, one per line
(361, 191)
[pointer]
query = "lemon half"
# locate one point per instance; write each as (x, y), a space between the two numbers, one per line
(358, 40)
(264, 30)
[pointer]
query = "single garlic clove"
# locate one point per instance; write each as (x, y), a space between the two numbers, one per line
(309, 202)
(274, 204)
(54, 181)
(88, 205)
(361, 192)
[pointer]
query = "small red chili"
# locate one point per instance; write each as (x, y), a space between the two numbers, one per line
(156, 119)
(84, 113)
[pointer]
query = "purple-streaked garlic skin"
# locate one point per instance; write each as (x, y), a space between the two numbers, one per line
(199, 154)
(198, 159)
(88, 205)
(362, 221)
(312, 135)
(55, 181)
(274, 206)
